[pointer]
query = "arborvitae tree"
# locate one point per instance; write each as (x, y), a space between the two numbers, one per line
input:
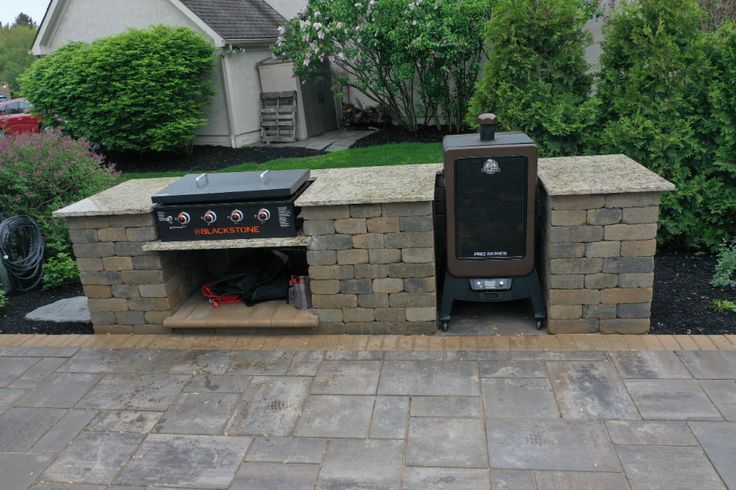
(536, 78)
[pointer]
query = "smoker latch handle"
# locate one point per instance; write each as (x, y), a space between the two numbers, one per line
(265, 177)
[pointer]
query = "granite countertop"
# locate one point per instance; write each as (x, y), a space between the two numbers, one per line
(602, 174)
(599, 174)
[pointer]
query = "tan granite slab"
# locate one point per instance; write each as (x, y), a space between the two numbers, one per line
(366, 185)
(599, 174)
(130, 197)
(294, 241)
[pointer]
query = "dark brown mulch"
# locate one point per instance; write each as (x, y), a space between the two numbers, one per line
(682, 296)
(12, 316)
(202, 158)
(395, 134)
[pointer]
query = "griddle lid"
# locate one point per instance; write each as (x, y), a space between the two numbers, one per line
(233, 186)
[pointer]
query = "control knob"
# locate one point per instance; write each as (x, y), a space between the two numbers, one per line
(183, 218)
(236, 216)
(209, 217)
(263, 215)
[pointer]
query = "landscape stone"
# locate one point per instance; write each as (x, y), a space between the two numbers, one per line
(185, 461)
(68, 310)
(541, 444)
(668, 468)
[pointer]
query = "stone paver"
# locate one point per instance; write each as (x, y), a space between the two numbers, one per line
(185, 461)
(93, 457)
(351, 463)
(668, 468)
(332, 417)
(540, 444)
(445, 478)
(718, 440)
(671, 399)
(19, 470)
(271, 408)
(655, 364)
(441, 378)
(198, 413)
(519, 397)
(446, 442)
(335, 416)
(590, 390)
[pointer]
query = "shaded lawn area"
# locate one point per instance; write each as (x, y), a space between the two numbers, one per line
(390, 154)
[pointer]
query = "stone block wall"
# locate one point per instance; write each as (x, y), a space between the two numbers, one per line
(372, 267)
(130, 290)
(598, 262)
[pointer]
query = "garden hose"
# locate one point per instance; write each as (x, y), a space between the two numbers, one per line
(5, 284)
(21, 251)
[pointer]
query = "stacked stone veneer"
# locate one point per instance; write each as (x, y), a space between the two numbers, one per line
(372, 267)
(130, 290)
(599, 262)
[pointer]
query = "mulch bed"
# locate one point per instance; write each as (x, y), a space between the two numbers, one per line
(12, 321)
(203, 158)
(682, 295)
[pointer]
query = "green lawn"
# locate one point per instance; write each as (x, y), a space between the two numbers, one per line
(391, 154)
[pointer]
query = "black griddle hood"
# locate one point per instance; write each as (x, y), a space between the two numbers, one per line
(234, 187)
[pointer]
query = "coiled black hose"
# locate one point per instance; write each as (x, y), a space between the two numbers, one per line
(21, 252)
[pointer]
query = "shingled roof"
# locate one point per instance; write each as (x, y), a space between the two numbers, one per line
(238, 19)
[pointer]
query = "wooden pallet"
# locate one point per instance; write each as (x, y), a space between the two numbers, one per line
(278, 117)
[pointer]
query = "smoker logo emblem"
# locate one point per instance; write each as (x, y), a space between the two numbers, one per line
(491, 167)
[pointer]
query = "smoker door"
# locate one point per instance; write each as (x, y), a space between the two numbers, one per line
(491, 207)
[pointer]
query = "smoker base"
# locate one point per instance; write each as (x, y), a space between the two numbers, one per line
(458, 289)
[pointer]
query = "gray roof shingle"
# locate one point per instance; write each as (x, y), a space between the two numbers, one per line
(238, 19)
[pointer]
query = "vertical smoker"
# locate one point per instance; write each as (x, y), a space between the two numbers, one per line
(490, 189)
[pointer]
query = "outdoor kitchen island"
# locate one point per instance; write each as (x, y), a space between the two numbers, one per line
(373, 241)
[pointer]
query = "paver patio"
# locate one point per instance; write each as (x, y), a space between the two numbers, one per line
(92, 418)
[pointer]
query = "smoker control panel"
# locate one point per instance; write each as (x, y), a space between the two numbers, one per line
(496, 284)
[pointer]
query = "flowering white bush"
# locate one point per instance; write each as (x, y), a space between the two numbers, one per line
(418, 59)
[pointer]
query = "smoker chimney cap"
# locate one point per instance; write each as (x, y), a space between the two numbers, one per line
(487, 118)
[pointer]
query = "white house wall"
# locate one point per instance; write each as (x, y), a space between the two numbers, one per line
(87, 20)
(245, 92)
(217, 130)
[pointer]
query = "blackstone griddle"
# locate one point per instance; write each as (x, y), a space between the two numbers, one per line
(228, 206)
(490, 189)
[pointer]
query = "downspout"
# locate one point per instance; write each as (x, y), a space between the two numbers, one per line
(228, 98)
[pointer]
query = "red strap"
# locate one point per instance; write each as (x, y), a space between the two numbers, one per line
(217, 300)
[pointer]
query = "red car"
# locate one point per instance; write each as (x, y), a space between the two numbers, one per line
(15, 117)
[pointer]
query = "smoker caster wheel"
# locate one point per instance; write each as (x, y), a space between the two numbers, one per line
(540, 324)
(445, 326)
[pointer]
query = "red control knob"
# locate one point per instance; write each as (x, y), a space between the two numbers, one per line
(263, 215)
(183, 218)
(209, 217)
(236, 216)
